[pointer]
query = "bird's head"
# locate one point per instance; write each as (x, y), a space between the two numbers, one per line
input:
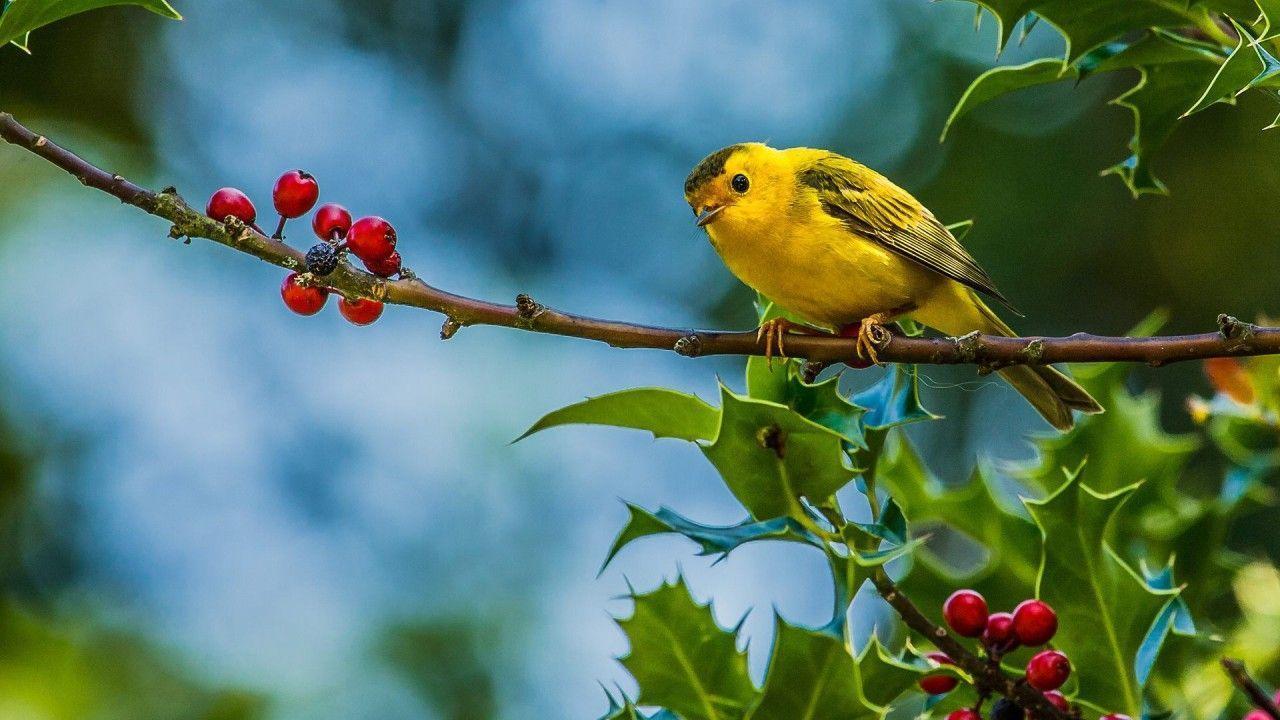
(739, 183)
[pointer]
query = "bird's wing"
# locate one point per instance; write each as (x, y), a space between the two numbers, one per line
(873, 207)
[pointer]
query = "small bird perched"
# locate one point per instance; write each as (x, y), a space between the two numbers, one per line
(838, 244)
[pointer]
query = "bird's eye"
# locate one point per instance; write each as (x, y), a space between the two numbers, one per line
(740, 183)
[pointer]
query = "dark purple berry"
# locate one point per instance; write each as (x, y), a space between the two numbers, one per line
(322, 259)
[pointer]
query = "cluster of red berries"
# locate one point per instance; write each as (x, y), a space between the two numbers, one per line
(371, 239)
(1031, 624)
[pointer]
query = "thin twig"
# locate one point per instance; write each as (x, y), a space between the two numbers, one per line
(987, 677)
(1236, 671)
(1233, 339)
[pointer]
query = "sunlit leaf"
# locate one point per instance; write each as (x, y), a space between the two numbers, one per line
(1241, 69)
(23, 16)
(812, 676)
(663, 412)
(713, 539)
(1105, 609)
(820, 402)
(683, 660)
(770, 456)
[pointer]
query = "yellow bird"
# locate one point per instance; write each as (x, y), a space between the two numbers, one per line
(836, 243)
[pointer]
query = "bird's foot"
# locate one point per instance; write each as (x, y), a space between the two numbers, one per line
(872, 336)
(774, 332)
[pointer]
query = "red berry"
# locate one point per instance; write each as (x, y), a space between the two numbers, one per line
(371, 238)
(302, 299)
(999, 633)
(1048, 669)
(966, 612)
(295, 194)
(230, 201)
(360, 311)
(1256, 714)
(964, 714)
(331, 218)
(1120, 716)
(386, 267)
(939, 684)
(1034, 622)
(1058, 700)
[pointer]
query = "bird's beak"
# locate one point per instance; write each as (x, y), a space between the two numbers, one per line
(709, 214)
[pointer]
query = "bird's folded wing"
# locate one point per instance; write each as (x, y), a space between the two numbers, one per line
(873, 207)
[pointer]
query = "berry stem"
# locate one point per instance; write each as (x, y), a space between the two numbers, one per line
(1236, 671)
(986, 678)
(279, 233)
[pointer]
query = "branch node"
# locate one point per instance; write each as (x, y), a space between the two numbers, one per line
(1033, 352)
(967, 346)
(449, 328)
(527, 308)
(290, 263)
(811, 369)
(1232, 328)
(407, 274)
(39, 142)
(688, 346)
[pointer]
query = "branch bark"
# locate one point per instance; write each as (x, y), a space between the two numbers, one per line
(1232, 339)
(1236, 671)
(987, 677)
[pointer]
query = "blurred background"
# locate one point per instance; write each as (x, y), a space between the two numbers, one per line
(212, 508)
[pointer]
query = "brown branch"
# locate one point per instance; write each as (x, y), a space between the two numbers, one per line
(1236, 671)
(1234, 338)
(987, 677)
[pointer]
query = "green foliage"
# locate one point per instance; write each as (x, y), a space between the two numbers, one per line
(683, 660)
(771, 456)
(1188, 56)
(812, 675)
(1105, 609)
(788, 446)
(714, 540)
(665, 413)
(21, 17)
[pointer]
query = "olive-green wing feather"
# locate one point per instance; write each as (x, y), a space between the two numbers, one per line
(871, 206)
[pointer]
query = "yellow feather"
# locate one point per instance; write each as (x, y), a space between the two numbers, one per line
(835, 242)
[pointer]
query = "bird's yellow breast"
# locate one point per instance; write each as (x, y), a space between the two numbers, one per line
(792, 251)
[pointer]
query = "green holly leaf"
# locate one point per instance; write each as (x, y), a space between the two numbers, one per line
(770, 456)
(23, 16)
(683, 660)
(626, 710)
(1009, 542)
(1124, 445)
(663, 412)
(1238, 73)
(820, 402)
(1270, 19)
(813, 676)
(894, 400)
(1086, 24)
(1000, 81)
(854, 568)
(1157, 103)
(1105, 609)
(713, 539)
